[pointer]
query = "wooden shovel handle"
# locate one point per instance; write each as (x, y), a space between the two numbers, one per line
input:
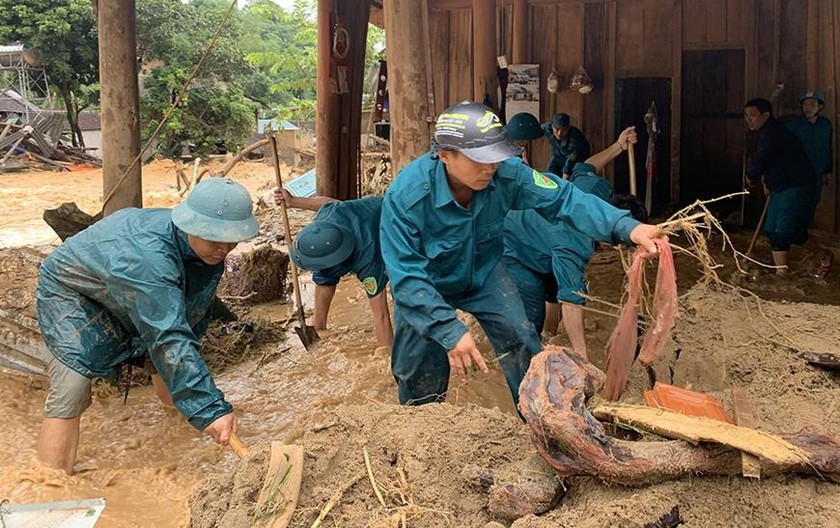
(631, 162)
(238, 447)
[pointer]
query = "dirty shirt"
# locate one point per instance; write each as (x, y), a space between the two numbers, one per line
(434, 247)
(138, 287)
(361, 217)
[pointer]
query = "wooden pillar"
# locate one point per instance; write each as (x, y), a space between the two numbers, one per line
(407, 80)
(326, 107)
(519, 54)
(120, 106)
(485, 79)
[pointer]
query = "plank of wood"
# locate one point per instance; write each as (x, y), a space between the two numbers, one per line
(281, 487)
(750, 465)
(696, 429)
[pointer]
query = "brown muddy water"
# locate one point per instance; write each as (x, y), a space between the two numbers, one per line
(145, 460)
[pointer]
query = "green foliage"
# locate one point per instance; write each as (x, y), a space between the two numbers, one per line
(64, 31)
(171, 39)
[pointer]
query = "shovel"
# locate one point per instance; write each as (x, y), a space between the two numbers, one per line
(307, 334)
(281, 484)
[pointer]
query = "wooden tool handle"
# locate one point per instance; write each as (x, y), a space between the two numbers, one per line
(631, 162)
(238, 447)
(286, 227)
(758, 227)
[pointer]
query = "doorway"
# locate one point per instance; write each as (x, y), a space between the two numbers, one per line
(633, 98)
(712, 139)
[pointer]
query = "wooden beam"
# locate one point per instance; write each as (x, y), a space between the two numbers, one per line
(676, 102)
(519, 53)
(410, 112)
(485, 79)
(120, 105)
(327, 105)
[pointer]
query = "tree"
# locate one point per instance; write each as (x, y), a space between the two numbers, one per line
(64, 31)
(172, 37)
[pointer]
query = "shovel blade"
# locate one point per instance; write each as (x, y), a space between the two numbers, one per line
(308, 335)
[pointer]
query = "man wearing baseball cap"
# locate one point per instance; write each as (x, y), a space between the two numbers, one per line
(815, 133)
(138, 281)
(568, 145)
(441, 233)
(343, 238)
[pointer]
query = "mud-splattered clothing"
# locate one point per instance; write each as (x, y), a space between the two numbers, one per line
(128, 284)
(441, 256)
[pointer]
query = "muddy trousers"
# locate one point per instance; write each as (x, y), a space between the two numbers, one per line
(421, 367)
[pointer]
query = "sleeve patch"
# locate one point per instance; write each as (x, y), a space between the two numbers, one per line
(540, 180)
(370, 285)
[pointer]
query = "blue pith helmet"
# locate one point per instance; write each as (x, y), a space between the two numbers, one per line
(322, 245)
(816, 96)
(523, 127)
(560, 121)
(218, 210)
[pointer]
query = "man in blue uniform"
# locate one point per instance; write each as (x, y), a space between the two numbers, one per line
(138, 281)
(780, 161)
(547, 261)
(343, 238)
(442, 225)
(815, 133)
(568, 145)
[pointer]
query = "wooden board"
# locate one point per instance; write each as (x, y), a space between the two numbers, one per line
(695, 430)
(750, 465)
(281, 487)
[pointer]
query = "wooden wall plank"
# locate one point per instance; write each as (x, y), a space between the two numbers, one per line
(569, 53)
(767, 47)
(737, 20)
(543, 44)
(504, 31)
(693, 21)
(658, 26)
(594, 60)
(791, 69)
(715, 11)
(629, 52)
(460, 70)
(676, 101)
(439, 36)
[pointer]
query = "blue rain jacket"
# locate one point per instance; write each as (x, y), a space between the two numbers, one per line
(434, 247)
(128, 284)
(566, 152)
(362, 218)
(556, 248)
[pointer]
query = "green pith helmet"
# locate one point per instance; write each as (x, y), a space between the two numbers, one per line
(523, 127)
(321, 245)
(475, 131)
(218, 210)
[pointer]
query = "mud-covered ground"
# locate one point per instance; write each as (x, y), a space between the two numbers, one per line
(337, 400)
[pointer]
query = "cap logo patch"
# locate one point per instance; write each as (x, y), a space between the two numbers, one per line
(487, 121)
(541, 180)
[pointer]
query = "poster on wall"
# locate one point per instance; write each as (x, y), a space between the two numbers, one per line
(523, 90)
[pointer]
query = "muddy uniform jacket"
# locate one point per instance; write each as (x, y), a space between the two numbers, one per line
(556, 248)
(816, 138)
(129, 284)
(432, 246)
(566, 152)
(361, 217)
